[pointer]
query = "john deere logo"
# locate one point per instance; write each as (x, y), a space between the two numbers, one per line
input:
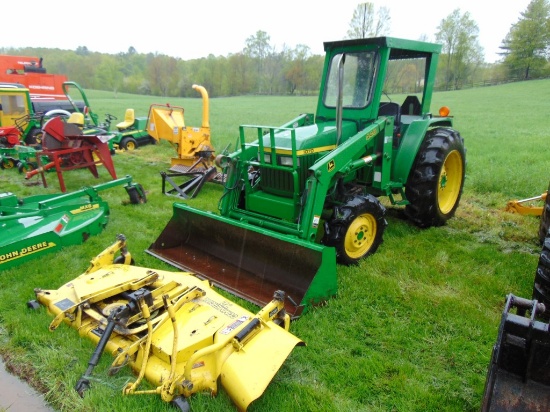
(331, 165)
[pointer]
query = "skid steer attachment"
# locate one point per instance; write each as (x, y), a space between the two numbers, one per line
(39, 224)
(518, 378)
(247, 261)
(172, 328)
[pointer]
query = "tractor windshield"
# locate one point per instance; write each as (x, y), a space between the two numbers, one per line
(359, 71)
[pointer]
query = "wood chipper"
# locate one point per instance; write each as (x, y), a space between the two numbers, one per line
(300, 196)
(195, 152)
(518, 377)
(172, 328)
(39, 224)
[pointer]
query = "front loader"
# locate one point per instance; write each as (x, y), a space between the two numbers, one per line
(304, 195)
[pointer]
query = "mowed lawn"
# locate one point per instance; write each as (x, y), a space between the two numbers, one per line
(412, 327)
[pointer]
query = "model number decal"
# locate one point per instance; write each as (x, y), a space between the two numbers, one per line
(371, 134)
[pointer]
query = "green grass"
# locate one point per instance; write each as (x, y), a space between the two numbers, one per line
(412, 327)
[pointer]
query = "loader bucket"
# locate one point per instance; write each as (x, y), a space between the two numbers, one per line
(518, 378)
(247, 261)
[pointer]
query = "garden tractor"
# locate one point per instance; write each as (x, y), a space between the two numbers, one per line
(172, 328)
(131, 132)
(39, 224)
(195, 152)
(304, 195)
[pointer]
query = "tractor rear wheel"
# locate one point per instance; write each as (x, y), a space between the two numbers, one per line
(436, 180)
(356, 228)
(24, 167)
(8, 163)
(545, 219)
(541, 285)
(128, 143)
(34, 137)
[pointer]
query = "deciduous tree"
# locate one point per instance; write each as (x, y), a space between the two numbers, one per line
(458, 34)
(368, 23)
(526, 46)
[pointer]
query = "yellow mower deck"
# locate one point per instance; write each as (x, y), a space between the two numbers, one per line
(178, 332)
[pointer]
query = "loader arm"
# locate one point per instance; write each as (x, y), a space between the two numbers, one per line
(347, 158)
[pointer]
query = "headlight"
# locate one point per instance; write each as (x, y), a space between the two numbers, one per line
(287, 161)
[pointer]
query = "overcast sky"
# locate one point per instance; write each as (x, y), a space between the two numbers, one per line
(193, 29)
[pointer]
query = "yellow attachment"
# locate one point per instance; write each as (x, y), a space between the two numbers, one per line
(450, 182)
(129, 119)
(107, 257)
(166, 122)
(182, 336)
(519, 206)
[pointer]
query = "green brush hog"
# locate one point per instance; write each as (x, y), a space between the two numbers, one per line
(40, 224)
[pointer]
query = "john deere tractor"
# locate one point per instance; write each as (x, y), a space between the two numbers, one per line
(301, 196)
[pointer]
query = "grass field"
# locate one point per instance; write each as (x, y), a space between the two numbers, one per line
(412, 327)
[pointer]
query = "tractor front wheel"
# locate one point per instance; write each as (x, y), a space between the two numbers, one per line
(128, 143)
(436, 180)
(356, 228)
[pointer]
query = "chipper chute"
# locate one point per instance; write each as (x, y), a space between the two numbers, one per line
(38, 224)
(173, 329)
(518, 378)
(246, 260)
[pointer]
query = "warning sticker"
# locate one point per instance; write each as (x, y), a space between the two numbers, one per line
(234, 325)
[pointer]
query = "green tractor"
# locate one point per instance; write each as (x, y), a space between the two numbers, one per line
(132, 132)
(304, 195)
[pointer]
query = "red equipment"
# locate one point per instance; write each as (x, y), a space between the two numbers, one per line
(9, 136)
(29, 72)
(68, 149)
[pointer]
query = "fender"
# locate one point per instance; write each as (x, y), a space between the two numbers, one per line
(410, 144)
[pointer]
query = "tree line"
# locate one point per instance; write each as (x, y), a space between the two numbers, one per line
(261, 69)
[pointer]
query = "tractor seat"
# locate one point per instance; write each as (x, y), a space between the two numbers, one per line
(77, 119)
(128, 120)
(411, 106)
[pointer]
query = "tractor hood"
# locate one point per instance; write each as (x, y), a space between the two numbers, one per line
(318, 135)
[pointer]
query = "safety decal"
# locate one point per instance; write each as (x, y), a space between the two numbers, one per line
(234, 325)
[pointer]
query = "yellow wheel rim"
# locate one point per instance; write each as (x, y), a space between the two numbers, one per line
(9, 164)
(130, 146)
(360, 236)
(450, 182)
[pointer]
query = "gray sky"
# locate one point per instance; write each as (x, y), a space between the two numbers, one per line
(196, 29)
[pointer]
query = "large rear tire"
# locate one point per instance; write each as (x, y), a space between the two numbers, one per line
(356, 228)
(541, 285)
(129, 143)
(436, 180)
(545, 219)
